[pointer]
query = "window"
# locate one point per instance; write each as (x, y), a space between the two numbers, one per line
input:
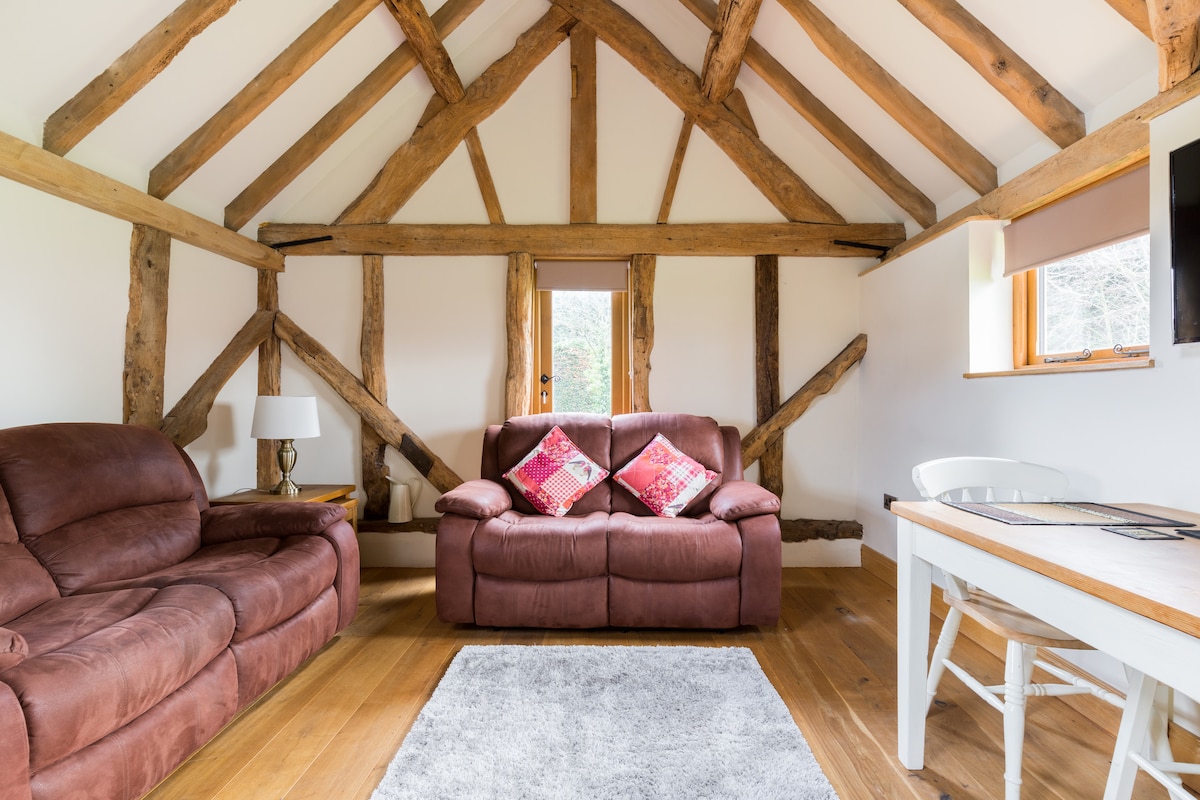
(1081, 275)
(1092, 306)
(581, 338)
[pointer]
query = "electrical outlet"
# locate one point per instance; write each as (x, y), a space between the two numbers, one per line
(888, 499)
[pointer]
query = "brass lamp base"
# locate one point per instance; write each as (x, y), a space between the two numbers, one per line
(287, 460)
(286, 486)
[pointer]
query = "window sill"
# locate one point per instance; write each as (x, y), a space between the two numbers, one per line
(1077, 366)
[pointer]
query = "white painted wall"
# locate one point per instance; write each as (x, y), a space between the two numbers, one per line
(1121, 436)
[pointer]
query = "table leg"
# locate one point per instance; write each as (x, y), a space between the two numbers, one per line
(1135, 725)
(912, 645)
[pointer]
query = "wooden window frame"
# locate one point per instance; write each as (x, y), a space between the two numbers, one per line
(621, 397)
(1025, 332)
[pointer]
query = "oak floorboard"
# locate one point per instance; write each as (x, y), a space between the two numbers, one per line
(330, 729)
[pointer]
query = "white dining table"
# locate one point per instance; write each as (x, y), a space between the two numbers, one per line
(1138, 601)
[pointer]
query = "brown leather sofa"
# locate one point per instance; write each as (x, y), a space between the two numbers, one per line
(135, 620)
(610, 561)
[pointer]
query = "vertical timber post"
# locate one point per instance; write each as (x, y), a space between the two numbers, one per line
(374, 470)
(518, 379)
(766, 360)
(146, 327)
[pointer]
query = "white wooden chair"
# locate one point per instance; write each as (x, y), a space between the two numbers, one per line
(973, 479)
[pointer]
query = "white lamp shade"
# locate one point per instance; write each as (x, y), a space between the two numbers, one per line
(281, 417)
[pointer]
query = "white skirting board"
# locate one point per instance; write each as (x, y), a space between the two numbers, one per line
(416, 550)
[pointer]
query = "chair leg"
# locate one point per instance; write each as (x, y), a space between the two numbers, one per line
(1015, 679)
(941, 651)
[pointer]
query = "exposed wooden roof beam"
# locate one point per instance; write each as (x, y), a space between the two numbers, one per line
(1136, 13)
(412, 164)
(685, 134)
(586, 241)
(33, 166)
(723, 59)
(840, 135)
(420, 31)
(483, 176)
(584, 164)
(194, 151)
(914, 116)
(188, 419)
(1176, 28)
(439, 68)
(109, 90)
(1008, 73)
(1119, 144)
(774, 178)
(338, 120)
(735, 101)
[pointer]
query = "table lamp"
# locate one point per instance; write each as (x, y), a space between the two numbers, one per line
(285, 419)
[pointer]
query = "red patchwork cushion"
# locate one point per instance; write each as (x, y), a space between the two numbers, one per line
(555, 474)
(663, 478)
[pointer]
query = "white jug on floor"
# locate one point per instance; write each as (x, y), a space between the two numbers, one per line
(403, 495)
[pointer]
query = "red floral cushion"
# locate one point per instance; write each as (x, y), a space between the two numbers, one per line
(663, 478)
(555, 474)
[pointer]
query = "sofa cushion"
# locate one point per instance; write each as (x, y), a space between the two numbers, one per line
(266, 580)
(554, 474)
(664, 479)
(541, 548)
(591, 433)
(83, 690)
(98, 502)
(682, 549)
(698, 437)
(56, 624)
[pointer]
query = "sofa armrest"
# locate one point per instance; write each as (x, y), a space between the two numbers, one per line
(477, 499)
(740, 499)
(266, 521)
(14, 747)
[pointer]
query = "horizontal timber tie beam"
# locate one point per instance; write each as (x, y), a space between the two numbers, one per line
(585, 240)
(806, 530)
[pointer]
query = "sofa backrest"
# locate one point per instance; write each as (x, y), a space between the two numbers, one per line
(505, 445)
(698, 437)
(24, 583)
(97, 502)
(611, 442)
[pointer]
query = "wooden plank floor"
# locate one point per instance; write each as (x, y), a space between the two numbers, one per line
(330, 729)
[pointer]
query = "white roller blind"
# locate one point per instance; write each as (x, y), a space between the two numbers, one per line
(583, 276)
(1109, 213)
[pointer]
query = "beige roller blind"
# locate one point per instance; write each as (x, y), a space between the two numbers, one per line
(583, 276)
(1116, 210)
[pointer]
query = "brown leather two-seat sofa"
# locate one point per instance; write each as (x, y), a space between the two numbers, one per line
(610, 561)
(135, 620)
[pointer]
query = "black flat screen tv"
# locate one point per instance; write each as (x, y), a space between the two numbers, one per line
(1185, 241)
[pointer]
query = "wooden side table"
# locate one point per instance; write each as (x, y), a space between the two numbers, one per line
(310, 493)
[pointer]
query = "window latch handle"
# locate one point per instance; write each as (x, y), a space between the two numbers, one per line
(1084, 356)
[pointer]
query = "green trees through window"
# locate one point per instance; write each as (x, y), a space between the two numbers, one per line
(582, 351)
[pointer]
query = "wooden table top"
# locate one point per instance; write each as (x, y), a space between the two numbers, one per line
(309, 493)
(1158, 579)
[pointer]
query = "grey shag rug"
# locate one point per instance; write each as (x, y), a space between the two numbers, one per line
(565, 722)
